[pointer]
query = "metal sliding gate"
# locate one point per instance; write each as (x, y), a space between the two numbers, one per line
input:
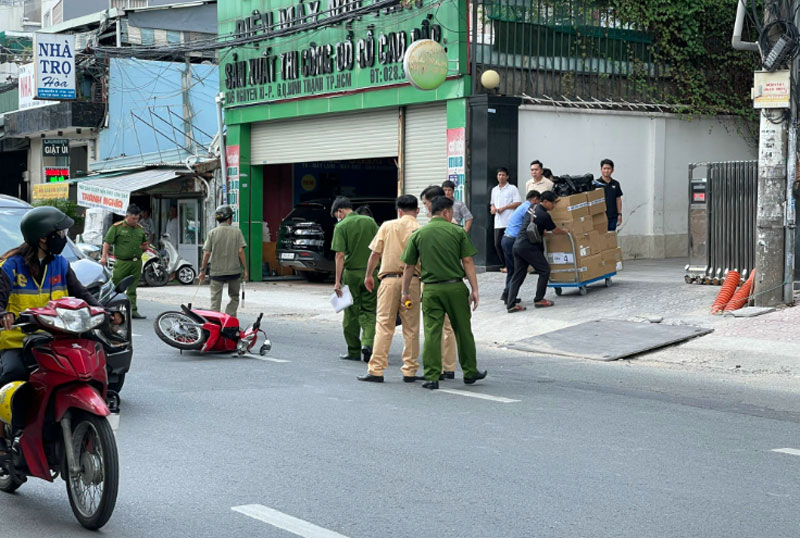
(722, 220)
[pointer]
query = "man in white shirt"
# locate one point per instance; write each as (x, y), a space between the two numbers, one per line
(505, 198)
(538, 182)
(172, 226)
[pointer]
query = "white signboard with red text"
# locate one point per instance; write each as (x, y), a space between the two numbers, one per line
(27, 88)
(103, 198)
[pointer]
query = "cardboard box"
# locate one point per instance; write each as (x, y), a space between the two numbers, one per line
(571, 207)
(597, 201)
(609, 240)
(600, 222)
(588, 268)
(582, 244)
(576, 226)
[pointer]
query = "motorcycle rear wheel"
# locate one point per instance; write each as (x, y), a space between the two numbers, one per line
(178, 330)
(153, 279)
(93, 491)
(8, 483)
(186, 275)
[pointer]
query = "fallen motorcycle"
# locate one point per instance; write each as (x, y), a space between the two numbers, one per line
(56, 423)
(208, 331)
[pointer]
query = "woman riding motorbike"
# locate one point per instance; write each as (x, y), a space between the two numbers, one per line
(30, 276)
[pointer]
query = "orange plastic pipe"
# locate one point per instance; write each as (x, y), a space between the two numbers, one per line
(727, 290)
(742, 295)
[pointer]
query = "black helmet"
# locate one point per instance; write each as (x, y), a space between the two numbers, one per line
(223, 213)
(41, 222)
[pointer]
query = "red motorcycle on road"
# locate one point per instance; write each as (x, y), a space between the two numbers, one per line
(56, 423)
(208, 331)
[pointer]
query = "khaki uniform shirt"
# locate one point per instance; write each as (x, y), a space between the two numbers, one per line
(439, 247)
(543, 186)
(352, 235)
(390, 241)
(126, 240)
(224, 242)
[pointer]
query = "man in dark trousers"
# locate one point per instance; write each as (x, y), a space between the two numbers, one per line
(129, 240)
(224, 246)
(445, 255)
(351, 238)
(613, 192)
(528, 253)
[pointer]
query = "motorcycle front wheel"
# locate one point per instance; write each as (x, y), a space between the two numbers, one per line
(178, 330)
(155, 276)
(185, 275)
(93, 490)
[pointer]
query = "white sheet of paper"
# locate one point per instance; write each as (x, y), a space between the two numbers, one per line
(340, 303)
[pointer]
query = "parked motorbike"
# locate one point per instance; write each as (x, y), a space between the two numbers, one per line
(153, 271)
(56, 423)
(176, 266)
(208, 331)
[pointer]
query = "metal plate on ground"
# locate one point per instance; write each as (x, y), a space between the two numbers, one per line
(608, 339)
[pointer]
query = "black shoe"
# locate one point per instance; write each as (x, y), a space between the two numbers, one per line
(137, 315)
(447, 375)
(432, 385)
(412, 378)
(370, 377)
(349, 358)
(366, 351)
(471, 380)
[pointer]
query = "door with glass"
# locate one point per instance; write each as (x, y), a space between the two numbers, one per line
(189, 219)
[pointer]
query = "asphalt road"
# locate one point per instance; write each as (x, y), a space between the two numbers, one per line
(567, 448)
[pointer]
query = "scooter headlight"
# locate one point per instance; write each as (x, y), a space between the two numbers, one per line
(72, 321)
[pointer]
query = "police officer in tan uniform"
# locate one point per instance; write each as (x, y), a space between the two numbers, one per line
(387, 246)
(449, 355)
(224, 246)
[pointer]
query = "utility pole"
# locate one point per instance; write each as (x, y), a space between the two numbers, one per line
(776, 158)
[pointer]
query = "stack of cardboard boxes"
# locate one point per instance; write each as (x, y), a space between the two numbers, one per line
(595, 250)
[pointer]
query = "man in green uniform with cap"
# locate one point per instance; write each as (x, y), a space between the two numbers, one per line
(129, 240)
(351, 238)
(444, 252)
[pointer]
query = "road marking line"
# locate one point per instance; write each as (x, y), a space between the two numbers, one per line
(478, 395)
(792, 451)
(285, 521)
(270, 359)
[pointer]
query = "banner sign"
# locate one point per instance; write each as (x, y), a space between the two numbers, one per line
(50, 191)
(27, 88)
(55, 66)
(321, 47)
(232, 155)
(96, 196)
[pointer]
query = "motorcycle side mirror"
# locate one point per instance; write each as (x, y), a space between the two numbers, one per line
(124, 284)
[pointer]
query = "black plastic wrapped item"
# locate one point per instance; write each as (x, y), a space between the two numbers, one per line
(569, 185)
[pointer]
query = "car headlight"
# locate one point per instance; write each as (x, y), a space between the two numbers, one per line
(72, 321)
(308, 242)
(307, 231)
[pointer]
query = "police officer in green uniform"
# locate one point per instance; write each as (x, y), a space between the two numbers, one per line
(129, 240)
(445, 252)
(351, 238)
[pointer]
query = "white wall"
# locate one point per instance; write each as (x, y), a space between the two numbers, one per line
(651, 153)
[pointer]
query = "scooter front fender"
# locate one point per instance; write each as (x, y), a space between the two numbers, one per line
(83, 397)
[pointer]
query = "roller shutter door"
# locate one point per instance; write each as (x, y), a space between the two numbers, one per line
(425, 150)
(330, 137)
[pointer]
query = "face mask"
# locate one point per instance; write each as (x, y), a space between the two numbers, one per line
(56, 242)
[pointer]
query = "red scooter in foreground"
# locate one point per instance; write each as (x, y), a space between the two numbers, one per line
(56, 422)
(208, 331)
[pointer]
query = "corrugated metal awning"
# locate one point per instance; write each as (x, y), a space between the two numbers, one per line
(114, 193)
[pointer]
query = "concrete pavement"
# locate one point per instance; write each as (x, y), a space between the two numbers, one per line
(761, 350)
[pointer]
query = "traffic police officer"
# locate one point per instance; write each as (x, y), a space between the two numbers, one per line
(351, 238)
(129, 240)
(445, 255)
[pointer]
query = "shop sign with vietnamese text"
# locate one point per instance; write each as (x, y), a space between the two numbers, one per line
(456, 155)
(54, 58)
(50, 191)
(321, 47)
(232, 159)
(113, 200)
(27, 88)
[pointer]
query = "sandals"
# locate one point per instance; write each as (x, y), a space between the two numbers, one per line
(516, 308)
(544, 303)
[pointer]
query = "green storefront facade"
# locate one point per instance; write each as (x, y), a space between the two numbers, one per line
(317, 104)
